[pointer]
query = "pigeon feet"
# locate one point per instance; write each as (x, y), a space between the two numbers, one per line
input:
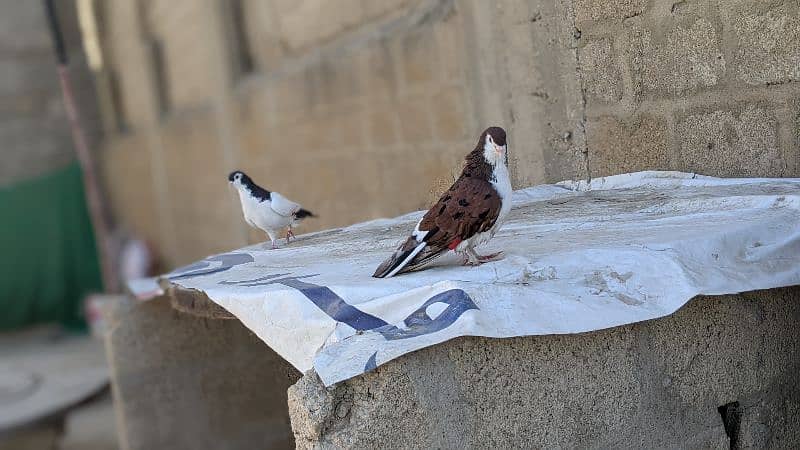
(289, 235)
(473, 259)
(493, 257)
(470, 260)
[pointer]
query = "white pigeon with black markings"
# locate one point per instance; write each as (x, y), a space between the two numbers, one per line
(268, 211)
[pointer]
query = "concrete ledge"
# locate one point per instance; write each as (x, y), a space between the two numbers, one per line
(181, 381)
(664, 383)
(196, 303)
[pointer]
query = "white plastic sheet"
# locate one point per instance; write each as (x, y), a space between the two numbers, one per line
(579, 256)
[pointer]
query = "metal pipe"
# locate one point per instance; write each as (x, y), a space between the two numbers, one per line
(90, 184)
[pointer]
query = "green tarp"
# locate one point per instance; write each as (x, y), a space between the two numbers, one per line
(47, 250)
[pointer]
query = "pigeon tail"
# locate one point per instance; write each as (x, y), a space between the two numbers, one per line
(303, 213)
(410, 256)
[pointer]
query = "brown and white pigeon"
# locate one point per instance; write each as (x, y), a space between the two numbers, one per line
(467, 215)
(265, 210)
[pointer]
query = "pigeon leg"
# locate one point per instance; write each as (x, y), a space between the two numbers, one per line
(272, 239)
(289, 234)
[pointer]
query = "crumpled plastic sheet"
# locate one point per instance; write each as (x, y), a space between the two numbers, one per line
(579, 256)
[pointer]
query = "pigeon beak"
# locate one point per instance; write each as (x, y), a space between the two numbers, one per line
(500, 149)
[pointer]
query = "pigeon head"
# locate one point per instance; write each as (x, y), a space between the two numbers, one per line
(238, 178)
(493, 141)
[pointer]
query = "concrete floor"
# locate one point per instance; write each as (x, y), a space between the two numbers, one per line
(88, 427)
(54, 392)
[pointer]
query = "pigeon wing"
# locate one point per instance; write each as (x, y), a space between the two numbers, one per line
(282, 205)
(469, 207)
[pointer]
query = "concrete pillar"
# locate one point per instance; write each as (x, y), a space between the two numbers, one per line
(181, 381)
(719, 371)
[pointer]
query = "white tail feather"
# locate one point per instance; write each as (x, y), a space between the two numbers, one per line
(408, 259)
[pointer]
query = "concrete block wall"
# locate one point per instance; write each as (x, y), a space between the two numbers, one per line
(699, 86)
(361, 115)
(597, 87)
(33, 129)
(365, 109)
(366, 128)
(168, 163)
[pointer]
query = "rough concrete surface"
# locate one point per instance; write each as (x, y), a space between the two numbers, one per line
(685, 58)
(657, 384)
(589, 10)
(185, 382)
(768, 45)
(628, 145)
(747, 139)
(601, 76)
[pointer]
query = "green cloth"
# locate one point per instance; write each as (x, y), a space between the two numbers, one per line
(49, 259)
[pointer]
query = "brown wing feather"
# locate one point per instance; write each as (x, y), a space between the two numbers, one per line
(470, 206)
